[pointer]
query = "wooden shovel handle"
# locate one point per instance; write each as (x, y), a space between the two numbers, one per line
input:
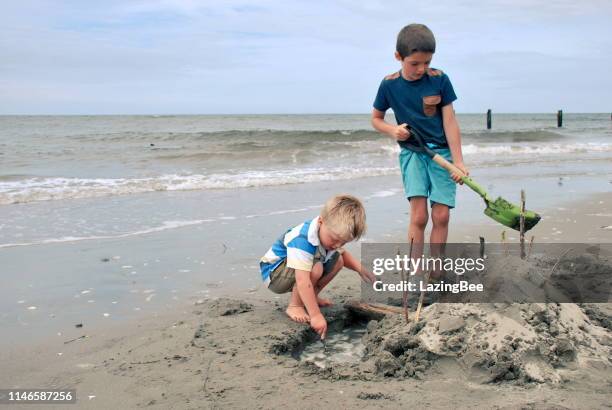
(440, 160)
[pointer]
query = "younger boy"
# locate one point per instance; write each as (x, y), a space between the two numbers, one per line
(421, 99)
(308, 256)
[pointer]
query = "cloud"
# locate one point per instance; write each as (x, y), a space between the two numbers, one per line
(235, 57)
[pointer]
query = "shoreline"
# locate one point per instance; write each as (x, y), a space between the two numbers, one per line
(158, 349)
(594, 213)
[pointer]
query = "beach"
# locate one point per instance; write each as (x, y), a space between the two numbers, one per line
(129, 249)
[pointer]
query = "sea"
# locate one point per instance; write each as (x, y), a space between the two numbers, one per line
(102, 217)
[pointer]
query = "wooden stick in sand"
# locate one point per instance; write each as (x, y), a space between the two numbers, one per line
(559, 260)
(418, 311)
(404, 295)
(522, 224)
(75, 339)
(503, 241)
(405, 291)
(530, 246)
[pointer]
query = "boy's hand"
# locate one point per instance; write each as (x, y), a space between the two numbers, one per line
(319, 325)
(367, 276)
(401, 132)
(463, 168)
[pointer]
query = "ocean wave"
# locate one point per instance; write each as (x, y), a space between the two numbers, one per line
(548, 149)
(165, 226)
(45, 189)
(231, 136)
(256, 137)
(533, 135)
(525, 150)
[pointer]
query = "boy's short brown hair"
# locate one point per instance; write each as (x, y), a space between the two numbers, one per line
(414, 38)
(345, 216)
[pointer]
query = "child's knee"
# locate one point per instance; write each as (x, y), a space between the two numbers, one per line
(340, 261)
(419, 218)
(339, 264)
(418, 211)
(440, 215)
(316, 272)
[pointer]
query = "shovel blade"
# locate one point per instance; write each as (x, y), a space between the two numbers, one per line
(509, 214)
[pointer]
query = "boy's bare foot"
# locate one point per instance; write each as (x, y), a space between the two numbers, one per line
(324, 302)
(297, 313)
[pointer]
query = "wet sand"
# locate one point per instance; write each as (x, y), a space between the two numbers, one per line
(235, 352)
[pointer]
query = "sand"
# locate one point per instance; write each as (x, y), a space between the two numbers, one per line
(240, 352)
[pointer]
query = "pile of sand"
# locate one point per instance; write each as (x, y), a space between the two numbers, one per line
(492, 343)
(502, 342)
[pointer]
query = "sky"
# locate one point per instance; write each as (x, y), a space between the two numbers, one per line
(286, 56)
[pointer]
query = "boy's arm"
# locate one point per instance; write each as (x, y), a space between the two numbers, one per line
(453, 136)
(353, 263)
(397, 132)
(307, 294)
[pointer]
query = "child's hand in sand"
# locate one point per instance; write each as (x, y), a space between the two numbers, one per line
(367, 276)
(319, 325)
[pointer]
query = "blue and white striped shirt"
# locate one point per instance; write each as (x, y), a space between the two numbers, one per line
(298, 246)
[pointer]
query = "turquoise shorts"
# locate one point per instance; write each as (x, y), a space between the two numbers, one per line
(423, 177)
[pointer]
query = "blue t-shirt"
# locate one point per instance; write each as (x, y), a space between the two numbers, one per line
(417, 103)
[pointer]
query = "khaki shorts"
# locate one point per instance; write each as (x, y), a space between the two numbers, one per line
(282, 279)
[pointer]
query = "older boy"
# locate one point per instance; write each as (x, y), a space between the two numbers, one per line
(422, 98)
(308, 256)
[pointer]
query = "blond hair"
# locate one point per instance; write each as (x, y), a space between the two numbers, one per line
(345, 216)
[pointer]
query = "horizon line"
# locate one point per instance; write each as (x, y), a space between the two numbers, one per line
(270, 114)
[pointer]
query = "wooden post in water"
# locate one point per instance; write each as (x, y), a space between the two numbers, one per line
(489, 119)
(522, 224)
(482, 246)
(559, 118)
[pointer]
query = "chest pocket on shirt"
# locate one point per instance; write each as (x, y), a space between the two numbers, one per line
(430, 104)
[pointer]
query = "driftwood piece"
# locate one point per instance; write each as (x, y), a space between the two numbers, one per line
(372, 311)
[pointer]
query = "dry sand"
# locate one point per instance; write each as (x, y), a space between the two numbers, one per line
(230, 353)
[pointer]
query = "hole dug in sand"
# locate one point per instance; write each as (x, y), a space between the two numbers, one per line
(479, 343)
(344, 346)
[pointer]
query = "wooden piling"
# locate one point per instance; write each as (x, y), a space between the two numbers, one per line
(482, 246)
(560, 118)
(489, 119)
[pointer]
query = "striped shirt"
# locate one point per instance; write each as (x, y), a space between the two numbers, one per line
(298, 246)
